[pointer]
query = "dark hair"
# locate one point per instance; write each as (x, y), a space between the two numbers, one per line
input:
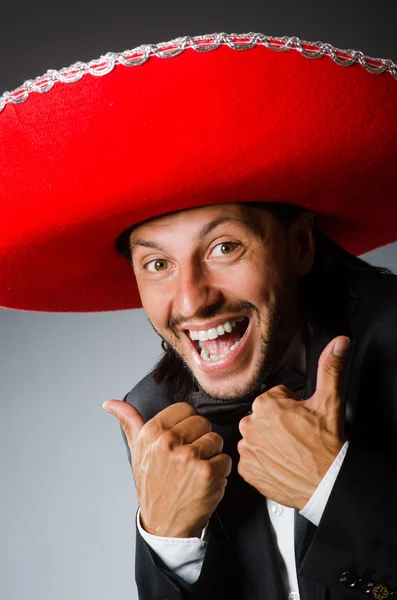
(329, 289)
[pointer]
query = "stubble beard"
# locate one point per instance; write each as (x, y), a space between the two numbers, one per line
(271, 347)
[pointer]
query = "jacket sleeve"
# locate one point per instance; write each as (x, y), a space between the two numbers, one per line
(356, 538)
(219, 578)
(354, 548)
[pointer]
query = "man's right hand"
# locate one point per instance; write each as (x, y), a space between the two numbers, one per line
(178, 465)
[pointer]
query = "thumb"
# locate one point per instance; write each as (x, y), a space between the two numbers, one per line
(329, 371)
(129, 417)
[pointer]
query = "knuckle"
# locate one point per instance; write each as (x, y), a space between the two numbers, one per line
(187, 453)
(205, 470)
(279, 395)
(150, 431)
(215, 438)
(257, 403)
(281, 391)
(244, 424)
(226, 466)
(167, 440)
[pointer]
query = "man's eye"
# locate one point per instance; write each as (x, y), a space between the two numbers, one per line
(224, 248)
(156, 266)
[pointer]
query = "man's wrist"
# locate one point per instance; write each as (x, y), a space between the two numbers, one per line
(313, 510)
(327, 471)
(174, 533)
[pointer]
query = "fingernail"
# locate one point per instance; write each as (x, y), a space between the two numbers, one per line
(341, 347)
(107, 409)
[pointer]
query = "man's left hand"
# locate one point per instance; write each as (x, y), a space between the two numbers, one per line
(287, 445)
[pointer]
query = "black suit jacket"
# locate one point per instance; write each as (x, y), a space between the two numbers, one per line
(358, 530)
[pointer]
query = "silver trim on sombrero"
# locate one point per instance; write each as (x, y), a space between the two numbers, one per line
(205, 43)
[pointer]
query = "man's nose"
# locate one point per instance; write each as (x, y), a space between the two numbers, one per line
(196, 291)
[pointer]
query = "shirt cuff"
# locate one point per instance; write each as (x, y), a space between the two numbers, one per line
(313, 510)
(182, 556)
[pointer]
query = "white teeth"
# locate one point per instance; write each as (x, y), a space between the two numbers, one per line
(202, 336)
(214, 332)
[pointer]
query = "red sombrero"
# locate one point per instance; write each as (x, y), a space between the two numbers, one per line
(88, 151)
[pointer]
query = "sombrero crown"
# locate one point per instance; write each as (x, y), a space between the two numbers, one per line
(90, 150)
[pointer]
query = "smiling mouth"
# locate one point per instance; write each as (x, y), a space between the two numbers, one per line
(213, 350)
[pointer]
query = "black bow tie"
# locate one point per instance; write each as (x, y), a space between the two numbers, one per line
(224, 412)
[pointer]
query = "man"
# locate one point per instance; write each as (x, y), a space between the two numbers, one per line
(257, 309)
(200, 269)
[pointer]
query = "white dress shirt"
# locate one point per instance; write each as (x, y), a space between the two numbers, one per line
(185, 556)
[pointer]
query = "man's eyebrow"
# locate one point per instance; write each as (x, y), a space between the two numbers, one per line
(205, 230)
(146, 244)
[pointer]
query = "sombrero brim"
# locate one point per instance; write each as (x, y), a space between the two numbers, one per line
(86, 159)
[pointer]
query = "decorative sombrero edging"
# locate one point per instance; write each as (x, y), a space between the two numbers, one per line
(232, 118)
(205, 43)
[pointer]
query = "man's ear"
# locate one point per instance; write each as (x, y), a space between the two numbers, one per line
(302, 246)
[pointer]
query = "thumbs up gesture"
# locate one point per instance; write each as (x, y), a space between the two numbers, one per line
(178, 465)
(288, 446)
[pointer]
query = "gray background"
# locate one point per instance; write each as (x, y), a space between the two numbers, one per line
(67, 495)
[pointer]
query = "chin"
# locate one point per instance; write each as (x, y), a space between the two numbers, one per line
(233, 388)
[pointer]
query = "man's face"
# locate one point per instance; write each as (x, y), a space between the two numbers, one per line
(224, 276)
